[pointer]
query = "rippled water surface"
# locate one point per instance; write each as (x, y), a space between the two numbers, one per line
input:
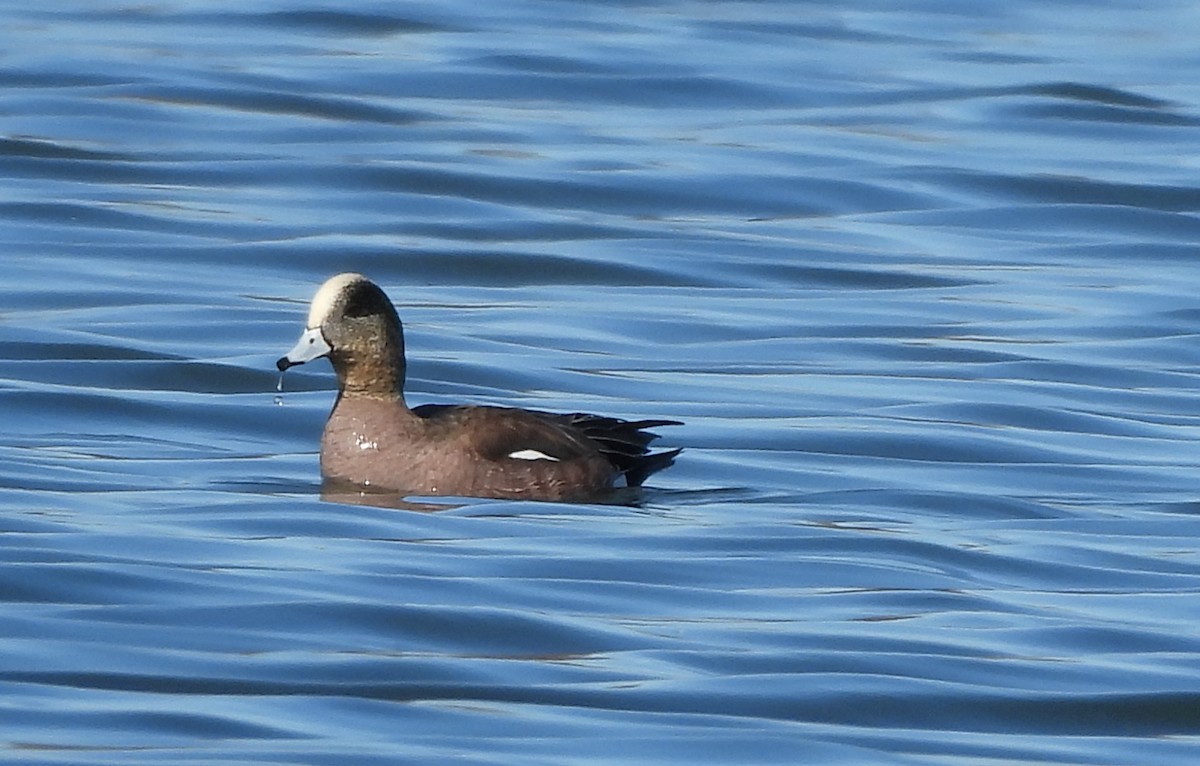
(922, 283)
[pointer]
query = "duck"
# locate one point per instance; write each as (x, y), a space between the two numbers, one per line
(374, 441)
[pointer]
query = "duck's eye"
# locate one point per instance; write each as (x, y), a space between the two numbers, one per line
(364, 301)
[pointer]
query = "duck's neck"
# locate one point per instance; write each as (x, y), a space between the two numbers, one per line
(374, 381)
(369, 375)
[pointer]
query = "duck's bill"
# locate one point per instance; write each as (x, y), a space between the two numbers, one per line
(312, 345)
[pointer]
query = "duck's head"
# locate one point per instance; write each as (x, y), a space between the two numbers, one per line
(353, 323)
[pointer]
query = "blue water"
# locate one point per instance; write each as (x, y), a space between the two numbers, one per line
(921, 279)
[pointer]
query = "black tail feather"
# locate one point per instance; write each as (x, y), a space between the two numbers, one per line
(626, 444)
(649, 464)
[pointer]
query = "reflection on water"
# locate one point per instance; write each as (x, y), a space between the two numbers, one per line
(919, 281)
(335, 491)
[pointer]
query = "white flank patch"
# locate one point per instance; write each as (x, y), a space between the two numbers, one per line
(327, 295)
(531, 454)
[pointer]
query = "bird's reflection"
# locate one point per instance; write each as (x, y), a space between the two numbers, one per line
(348, 493)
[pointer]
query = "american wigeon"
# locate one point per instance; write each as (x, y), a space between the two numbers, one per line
(374, 439)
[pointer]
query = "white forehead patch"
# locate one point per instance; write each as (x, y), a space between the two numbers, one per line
(327, 295)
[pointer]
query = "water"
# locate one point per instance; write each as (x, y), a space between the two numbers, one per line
(921, 283)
